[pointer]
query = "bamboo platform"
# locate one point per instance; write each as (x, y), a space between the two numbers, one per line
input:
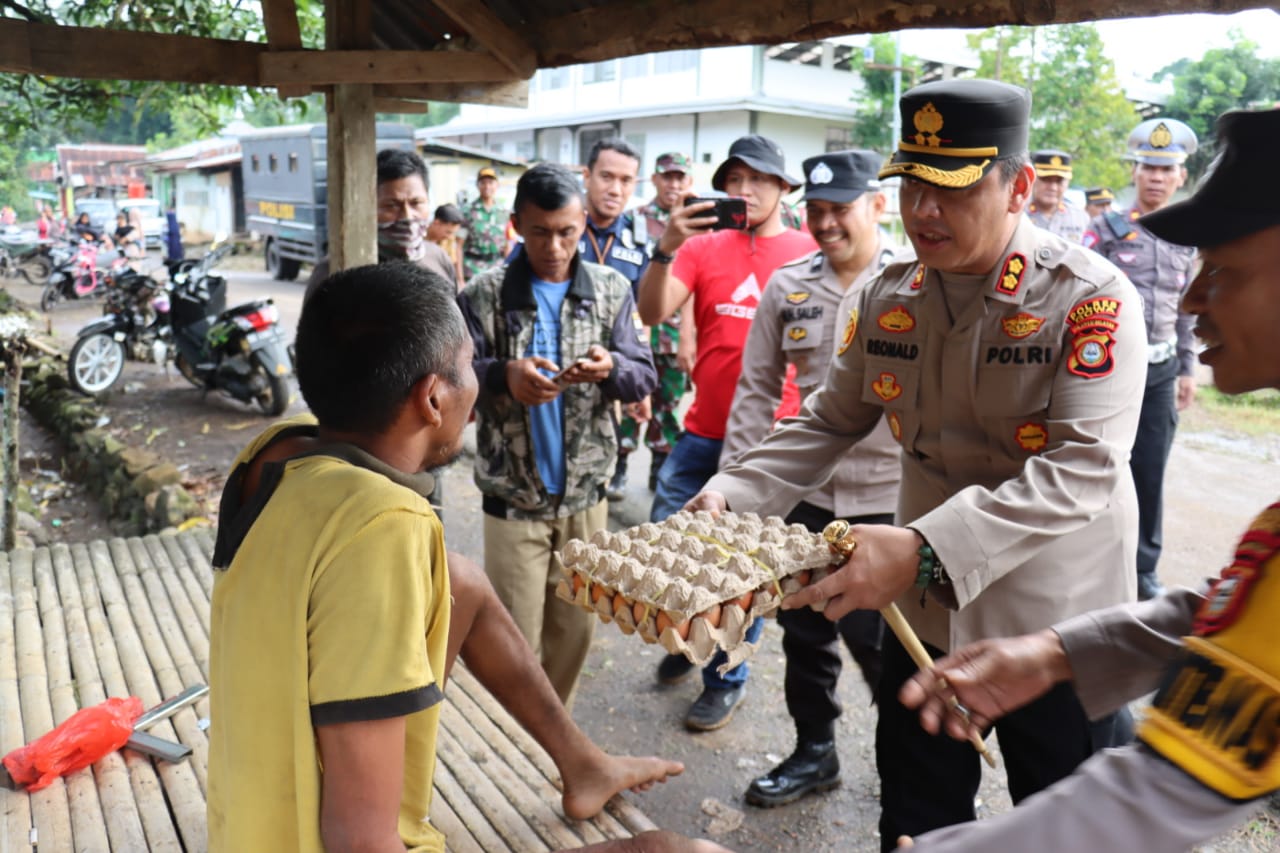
(83, 622)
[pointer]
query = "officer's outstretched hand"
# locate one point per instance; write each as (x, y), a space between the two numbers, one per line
(990, 678)
(526, 382)
(713, 502)
(882, 567)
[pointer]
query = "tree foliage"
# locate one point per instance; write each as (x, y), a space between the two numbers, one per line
(1077, 104)
(1225, 78)
(873, 117)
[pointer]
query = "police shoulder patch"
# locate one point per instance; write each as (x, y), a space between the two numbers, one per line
(1229, 592)
(850, 332)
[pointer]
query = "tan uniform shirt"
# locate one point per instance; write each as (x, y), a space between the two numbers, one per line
(1067, 222)
(796, 323)
(1029, 404)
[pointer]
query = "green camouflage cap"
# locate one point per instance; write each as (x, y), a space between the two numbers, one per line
(672, 161)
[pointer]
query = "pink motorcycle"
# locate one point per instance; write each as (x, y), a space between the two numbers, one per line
(80, 277)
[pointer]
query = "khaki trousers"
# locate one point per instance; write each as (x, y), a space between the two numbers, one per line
(520, 562)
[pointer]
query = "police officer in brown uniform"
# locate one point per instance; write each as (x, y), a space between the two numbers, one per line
(1207, 754)
(1161, 271)
(1049, 208)
(1009, 364)
(795, 324)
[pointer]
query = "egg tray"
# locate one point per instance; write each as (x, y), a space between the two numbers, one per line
(692, 583)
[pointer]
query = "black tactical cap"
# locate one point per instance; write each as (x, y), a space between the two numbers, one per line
(1099, 195)
(1239, 195)
(760, 153)
(1051, 163)
(954, 131)
(840, 176)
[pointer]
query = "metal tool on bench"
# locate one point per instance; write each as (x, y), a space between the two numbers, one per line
(140, 741)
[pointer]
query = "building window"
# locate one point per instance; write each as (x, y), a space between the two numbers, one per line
(600, 72)
(273, 163)
(635, 66)
(839, 138)
(253, 162)
(553, 78)
(674, 60)
(589, 136)
(525, 150)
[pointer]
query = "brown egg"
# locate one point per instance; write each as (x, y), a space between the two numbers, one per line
(803, 577)
(639, 611)
(578, 583)
(664, 622)
(745, 600)
(620, 603)
(597, 590)
(712, 615)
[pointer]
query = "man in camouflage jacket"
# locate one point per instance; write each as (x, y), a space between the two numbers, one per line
(549, 368)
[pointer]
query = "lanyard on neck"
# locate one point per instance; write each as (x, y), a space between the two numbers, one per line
(608, 244)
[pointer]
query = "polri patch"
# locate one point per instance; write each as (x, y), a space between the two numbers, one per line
(1021, 325)
(1093, 325)
(897, 320)
(850, 332)
(887, 387)
(1010, 281)
(1032, 437)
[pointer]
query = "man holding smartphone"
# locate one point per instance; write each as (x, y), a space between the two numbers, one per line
(724, 272)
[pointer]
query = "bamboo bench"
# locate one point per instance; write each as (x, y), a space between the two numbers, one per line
(83, 622)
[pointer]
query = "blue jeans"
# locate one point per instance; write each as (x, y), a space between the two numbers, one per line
(692, 462)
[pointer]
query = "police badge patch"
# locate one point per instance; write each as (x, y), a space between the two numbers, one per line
(1093, 325)
(850, 331)
(1228, 593)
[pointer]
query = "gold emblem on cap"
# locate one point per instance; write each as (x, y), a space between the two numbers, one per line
(928, 122)
(1161, 137)
(1055, 161)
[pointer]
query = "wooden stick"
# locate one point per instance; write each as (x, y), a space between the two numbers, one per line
(902, 629)
(15, 809)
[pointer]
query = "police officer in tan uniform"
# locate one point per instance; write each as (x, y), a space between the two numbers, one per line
(1097, 201)
(795, 324)
(1049, 208)
(1207, 753)
(1009, 364)
(1160, 270)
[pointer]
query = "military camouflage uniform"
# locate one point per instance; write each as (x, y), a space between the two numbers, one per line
(486, 237)
(664, 427)
(598, 309)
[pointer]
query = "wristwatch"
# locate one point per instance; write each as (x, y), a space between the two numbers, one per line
(661, 257)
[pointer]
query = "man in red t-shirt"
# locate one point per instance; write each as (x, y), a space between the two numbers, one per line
(724, 272)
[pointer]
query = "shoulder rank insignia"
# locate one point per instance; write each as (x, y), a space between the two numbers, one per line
(1010, 281)
(887, 387)
(897, 320)
(850, 331)
(1021, 325)
(816, 263)
(1228, 593)
(919, 277)
(797, 333)
(797, 298)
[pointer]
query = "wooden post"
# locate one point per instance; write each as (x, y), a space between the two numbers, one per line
(352, 148)
(12, 385)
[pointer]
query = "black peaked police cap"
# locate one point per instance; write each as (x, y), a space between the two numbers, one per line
(954, 131)
(1238, 196)
(840, 176)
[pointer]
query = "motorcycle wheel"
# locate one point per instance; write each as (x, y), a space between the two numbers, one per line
(49, 298)
(95, 364)
(188, 372)
(37, 270)
(275, 399)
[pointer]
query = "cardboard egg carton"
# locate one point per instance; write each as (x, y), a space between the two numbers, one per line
(692, 583)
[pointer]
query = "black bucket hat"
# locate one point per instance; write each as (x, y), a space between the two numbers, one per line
(760, 153)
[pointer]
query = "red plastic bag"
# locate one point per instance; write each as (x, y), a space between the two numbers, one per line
(82, 739)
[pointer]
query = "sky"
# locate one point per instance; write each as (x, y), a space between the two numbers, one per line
(1139, 46)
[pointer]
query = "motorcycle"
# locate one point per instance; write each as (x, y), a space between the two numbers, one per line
(237, 350)
(78, 276)
(23, 253)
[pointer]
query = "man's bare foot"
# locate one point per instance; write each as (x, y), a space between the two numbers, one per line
(587, 787)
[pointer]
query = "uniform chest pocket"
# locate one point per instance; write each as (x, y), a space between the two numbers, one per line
(802, 344)
(891, 385)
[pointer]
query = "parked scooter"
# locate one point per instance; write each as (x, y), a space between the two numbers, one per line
(78, 276)
(238, 350)
(23, 253)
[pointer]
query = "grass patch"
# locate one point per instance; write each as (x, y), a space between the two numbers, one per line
(1256, 413)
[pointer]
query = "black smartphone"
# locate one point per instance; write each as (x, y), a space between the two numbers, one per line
(730, 212)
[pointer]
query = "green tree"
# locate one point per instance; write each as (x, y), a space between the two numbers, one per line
(873, 117)
(1225, 78)
(1077, 104)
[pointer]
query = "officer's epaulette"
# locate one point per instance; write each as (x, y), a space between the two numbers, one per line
(1118, 224)
(813, 262)
(816, 263)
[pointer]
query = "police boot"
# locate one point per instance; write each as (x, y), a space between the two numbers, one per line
(814, 767)
(617, 488)
(655, 465)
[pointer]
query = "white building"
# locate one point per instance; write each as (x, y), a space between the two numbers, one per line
(801, 95)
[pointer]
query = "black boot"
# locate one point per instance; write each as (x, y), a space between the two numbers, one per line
(814, 767)
(655, 465)
(617, 488)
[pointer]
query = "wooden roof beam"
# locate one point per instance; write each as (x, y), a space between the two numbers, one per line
(487, 30)
(511, 94)
(280, 18)
(101, 54)
(325, 67)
